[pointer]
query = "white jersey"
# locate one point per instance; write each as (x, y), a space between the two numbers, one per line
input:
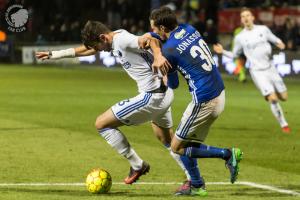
(255, 44)
(136, 62)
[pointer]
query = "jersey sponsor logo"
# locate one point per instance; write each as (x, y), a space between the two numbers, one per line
(179, 34)
(182, 46)
(126, 65)
(124, 62)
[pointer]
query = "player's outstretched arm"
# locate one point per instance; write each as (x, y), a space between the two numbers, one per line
(218, 48)
(274, 39)
(280, 45)
(83, 51)
(160, 62)
(66, 53)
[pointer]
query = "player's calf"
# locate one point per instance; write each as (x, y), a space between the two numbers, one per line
(117, 140)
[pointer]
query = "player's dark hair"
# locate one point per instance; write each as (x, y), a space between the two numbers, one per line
(91, 32)
(246, 9)
(164, 16)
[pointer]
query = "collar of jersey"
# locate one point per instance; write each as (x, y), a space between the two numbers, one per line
(113, 41)
(175, 30)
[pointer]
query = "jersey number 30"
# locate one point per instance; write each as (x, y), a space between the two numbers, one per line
(203, 52)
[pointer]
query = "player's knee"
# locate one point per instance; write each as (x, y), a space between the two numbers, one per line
(99, 123)
(283, 97)
(272, 98)
(176, 149)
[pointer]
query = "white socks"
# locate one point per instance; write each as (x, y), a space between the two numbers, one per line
(135, 161)
(118, 141)
(278, 113)
(176, 157)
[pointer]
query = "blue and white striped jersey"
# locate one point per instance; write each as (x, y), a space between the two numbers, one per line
(135, 61)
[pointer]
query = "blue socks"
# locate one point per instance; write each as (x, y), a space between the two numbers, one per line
(204, 151)
(201, 151)
(191, 166)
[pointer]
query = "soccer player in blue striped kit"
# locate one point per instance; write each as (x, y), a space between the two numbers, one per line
(188, 53)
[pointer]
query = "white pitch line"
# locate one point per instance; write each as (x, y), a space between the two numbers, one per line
(268, 187)
(251, 184)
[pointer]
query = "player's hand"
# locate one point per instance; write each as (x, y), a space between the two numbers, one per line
(43, 55)
(218, 48)
(162, 64)
(281, 45)
(144, 42)
(165, 80)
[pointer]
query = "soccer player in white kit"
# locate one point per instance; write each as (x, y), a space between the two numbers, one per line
(151, 104)
(254, 41)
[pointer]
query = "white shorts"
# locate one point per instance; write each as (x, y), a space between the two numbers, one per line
(146, 107)
(268, 81)
(198, 118)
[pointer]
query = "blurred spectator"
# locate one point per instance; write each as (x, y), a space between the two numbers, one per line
(57, 20)
(75, 31)
(3, 4)
(141, 28)
(291, 33)
(211, 33)
(40, 40)
(113, 14)
(223, 4)
(198, 24)
(278, 30)
(2, 36)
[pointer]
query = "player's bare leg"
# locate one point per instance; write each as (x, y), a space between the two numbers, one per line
(107, 120)
(107, 125)
(164, 135)
(177, 146)
(283, 96)
(277, 110)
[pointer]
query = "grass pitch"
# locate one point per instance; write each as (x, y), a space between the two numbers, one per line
(47, 135)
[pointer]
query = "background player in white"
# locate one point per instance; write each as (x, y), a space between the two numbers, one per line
(254, 42)
(152, 103)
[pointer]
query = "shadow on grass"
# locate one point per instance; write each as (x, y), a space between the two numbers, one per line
(82, 193)
(293, 187)
(17, 129)
(242, 129)
(224, 193)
